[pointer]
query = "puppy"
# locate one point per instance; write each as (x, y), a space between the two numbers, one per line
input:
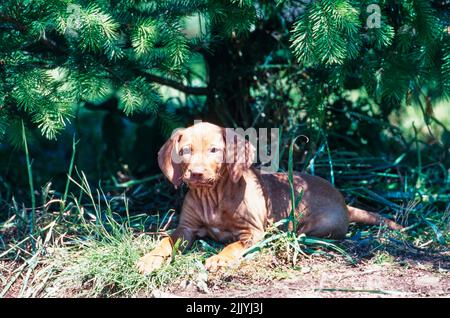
(232, 202)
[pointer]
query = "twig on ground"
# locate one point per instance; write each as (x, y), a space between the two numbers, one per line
(371, 291)
(358, 274)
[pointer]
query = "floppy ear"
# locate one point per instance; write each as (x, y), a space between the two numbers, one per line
(240, 154)
(169, 161)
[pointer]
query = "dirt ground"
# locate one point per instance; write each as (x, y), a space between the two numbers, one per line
(391, 273)
(328, 279)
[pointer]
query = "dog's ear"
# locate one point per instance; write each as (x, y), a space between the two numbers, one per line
(239, 154)
(169, 160)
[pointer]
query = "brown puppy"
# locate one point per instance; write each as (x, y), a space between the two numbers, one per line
(233, 202)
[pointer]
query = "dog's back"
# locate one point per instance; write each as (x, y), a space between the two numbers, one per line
(321, 203)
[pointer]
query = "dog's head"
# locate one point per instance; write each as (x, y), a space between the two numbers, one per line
(199, 155)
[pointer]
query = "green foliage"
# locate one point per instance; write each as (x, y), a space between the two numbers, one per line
(56, 55)
(446, 67)
(327, 33)
(91, 27)
(3, 124)
(243, 2)
(41, 94)
(138, 95)
(144, 36)
(424, 20)
(405, 55)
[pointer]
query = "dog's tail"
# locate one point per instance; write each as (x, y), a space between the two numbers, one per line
(366, 217)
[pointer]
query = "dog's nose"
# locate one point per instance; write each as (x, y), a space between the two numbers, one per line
(197, 173)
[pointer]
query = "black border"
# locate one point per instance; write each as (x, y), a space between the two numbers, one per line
(277, 307)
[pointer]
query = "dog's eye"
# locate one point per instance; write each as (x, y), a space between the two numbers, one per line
(186, 150)
(214, 150)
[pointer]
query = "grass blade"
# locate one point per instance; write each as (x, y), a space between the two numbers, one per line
(32, 223)
(69, 173)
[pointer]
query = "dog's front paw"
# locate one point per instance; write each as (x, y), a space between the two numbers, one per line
(218, 261)
(149, 263)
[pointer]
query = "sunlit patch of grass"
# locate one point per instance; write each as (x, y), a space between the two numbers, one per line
(102, 258)
(382, 257)
(100, 268)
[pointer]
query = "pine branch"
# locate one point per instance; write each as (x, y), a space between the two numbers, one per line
(7, 19)
(445, 68)
(190, 90)
(327, 33)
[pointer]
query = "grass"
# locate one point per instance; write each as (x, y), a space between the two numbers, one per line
(93, 253)
(85, 242)
(90, 250)
(100, 268)
(32, 221)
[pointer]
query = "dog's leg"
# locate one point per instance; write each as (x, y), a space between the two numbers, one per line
(156, 258)
(233, 252)
(229, 255)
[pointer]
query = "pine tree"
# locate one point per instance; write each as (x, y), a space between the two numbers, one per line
(56, 54)
(403, 58)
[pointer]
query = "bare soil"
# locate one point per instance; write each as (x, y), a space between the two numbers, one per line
(328, 279)
(390, 273)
